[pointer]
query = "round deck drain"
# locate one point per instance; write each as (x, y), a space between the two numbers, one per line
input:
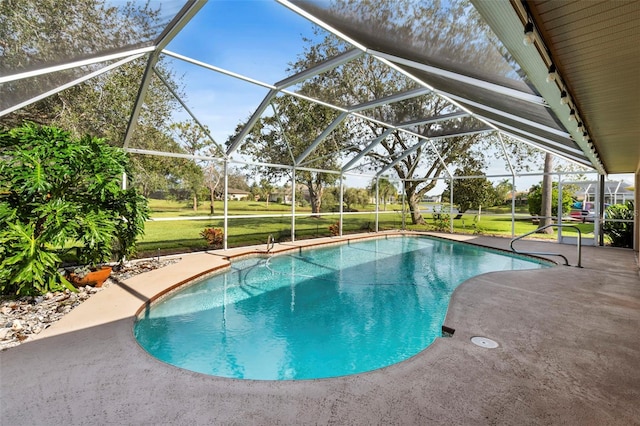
(484, 342)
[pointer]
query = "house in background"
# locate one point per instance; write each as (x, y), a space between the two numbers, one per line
(237, 194)
(615, 192)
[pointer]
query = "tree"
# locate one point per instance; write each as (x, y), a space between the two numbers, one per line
(254, 191)
(354, 196)
(471, 193)
(213, 174)
(237, 179)
(330, 198)
(451, 27)
(37, 32)
(504, 188)
(266, 188)
(56, 191)
(281, 138)
(195, 140)
(34, 32)
(192, 179)
(158, 173)
(535, 200)
(386, 190)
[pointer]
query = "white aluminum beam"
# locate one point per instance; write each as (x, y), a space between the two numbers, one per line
(70, 84)
(578, 160)
(187, 12)
(366, 150)
(390, 99)
(496, 88)
(252, 121)
(433, 119)
(404, 155)
(174, 154)
(508, 115)
(322, 137)
(320, 23)
(142, 93)
(548, 142)
(186, 108)
(185, 15)
(218, 69)
(465, 133)
(326, 65)
(76, 64)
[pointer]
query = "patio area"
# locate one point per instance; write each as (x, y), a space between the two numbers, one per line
(568, 354)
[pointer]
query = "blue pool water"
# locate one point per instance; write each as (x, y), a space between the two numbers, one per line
(317, 313)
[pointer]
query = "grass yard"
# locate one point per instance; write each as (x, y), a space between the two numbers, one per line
(170, 208)
(174, 236)
(184, 235)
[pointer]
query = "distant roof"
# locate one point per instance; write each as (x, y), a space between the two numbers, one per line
(610, 186)
(237, 191)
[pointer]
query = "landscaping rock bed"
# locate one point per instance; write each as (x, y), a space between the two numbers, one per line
(21, 319)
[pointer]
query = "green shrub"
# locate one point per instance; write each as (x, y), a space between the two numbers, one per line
(535, 200)
(58, 192)
(621, 233)
(334, 229)
(213, 236)
(441, 222)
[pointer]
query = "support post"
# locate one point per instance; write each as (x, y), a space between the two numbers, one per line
(513, 185)
(451, 205)
(404, 191)
(513, 205)
(341, 203)
(559, 207)
(597, 226)
(293, 205)
(636, 215)
(226, 203)
(377, 201)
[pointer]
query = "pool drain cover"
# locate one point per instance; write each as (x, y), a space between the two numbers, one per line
(484, 342)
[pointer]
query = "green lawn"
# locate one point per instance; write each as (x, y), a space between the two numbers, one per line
(169, 208)
(184, 235)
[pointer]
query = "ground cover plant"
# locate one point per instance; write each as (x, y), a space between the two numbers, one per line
(620, 233)
(59, 192)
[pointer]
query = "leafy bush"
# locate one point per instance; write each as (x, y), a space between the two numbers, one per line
(441, 222)
(621, 233)
(334, 229)
(59, 192)
(477, 228)
(214, 236)
(535, 200)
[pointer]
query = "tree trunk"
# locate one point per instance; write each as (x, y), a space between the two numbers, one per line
(316, 202)
(315, 196)
(414, 207)
(195, 203)
(212, 193)
(547, 194)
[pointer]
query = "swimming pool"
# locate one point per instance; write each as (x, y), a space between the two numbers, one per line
(317, 313)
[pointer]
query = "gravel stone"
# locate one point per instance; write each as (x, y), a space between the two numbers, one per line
(22, 318)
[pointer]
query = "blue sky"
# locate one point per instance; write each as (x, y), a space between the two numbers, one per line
(257, 39)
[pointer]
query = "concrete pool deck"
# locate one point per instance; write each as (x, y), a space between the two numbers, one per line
(569, 353)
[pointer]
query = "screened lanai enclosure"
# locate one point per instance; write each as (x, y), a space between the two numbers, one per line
(306, 102)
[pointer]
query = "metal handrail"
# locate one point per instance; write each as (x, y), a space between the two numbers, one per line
(272, 241)
(557, 225)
